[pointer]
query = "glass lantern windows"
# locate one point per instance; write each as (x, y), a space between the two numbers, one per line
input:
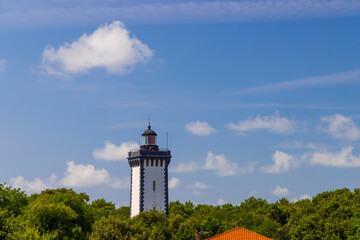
(149, 140)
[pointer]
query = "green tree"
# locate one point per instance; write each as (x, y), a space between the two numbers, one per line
(11, 199)
(114, 228)
(5, 223)
(62, 213)
(102, 208)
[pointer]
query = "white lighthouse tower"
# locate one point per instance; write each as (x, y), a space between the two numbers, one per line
(149, 176)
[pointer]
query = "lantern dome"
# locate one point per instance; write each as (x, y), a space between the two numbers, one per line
(149, 132)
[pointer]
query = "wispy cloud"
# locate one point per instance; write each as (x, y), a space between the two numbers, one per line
(332, 79)
(56, 13)
(198, 185)
(3, 64)
(301, 145)
(273, 123)
(186, 167)
(127, 125)
(248, 105)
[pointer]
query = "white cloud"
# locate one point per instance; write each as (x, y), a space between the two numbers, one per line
(199, 128)
(35, 186)
(117, 183)
(279, 191)
(305, 196)
(220, 164)
(174, 183)
(302, 197)
(198, 186)
(332, 79)
(75, 176)
(113, 152)
(186, 167)
(84, 176)
(344, 158)
(282, 163)
(300, 145)
(3, 63)
(341, 127)
(274, 124)
(221, 201)
(110, 47)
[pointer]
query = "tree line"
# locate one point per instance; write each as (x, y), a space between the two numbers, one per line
(65, 214)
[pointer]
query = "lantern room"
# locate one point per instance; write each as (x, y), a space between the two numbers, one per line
(149, 137)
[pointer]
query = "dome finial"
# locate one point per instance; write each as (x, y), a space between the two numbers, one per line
(149, 127)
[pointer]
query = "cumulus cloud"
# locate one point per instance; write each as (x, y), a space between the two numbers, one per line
(273, 123)
(302, 197)
(200, 128)
(174, 183)
(3, 63)
(221, 201)
(35, 186)
(110, 47)
(341, 127)
(305, 196)
(344, 158)
(221, 165)
(75, 176)
(282, 163)
(113, 152)
(279, 191)
(84, 176)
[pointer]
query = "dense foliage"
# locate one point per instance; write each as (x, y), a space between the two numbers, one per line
(65, 214)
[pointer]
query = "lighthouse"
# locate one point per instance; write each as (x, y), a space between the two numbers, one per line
(149, 175)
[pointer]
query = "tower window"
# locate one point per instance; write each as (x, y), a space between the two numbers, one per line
(154, 186)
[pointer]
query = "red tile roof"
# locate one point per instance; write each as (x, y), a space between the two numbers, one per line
(239, 233)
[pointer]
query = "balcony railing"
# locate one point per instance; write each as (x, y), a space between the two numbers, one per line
(160, 149)
(165, 152)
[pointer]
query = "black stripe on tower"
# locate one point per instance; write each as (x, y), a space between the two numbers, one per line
(142, 185)
(131, 190)
(166, 190)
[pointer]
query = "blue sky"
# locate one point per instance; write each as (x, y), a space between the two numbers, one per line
(260, 98)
